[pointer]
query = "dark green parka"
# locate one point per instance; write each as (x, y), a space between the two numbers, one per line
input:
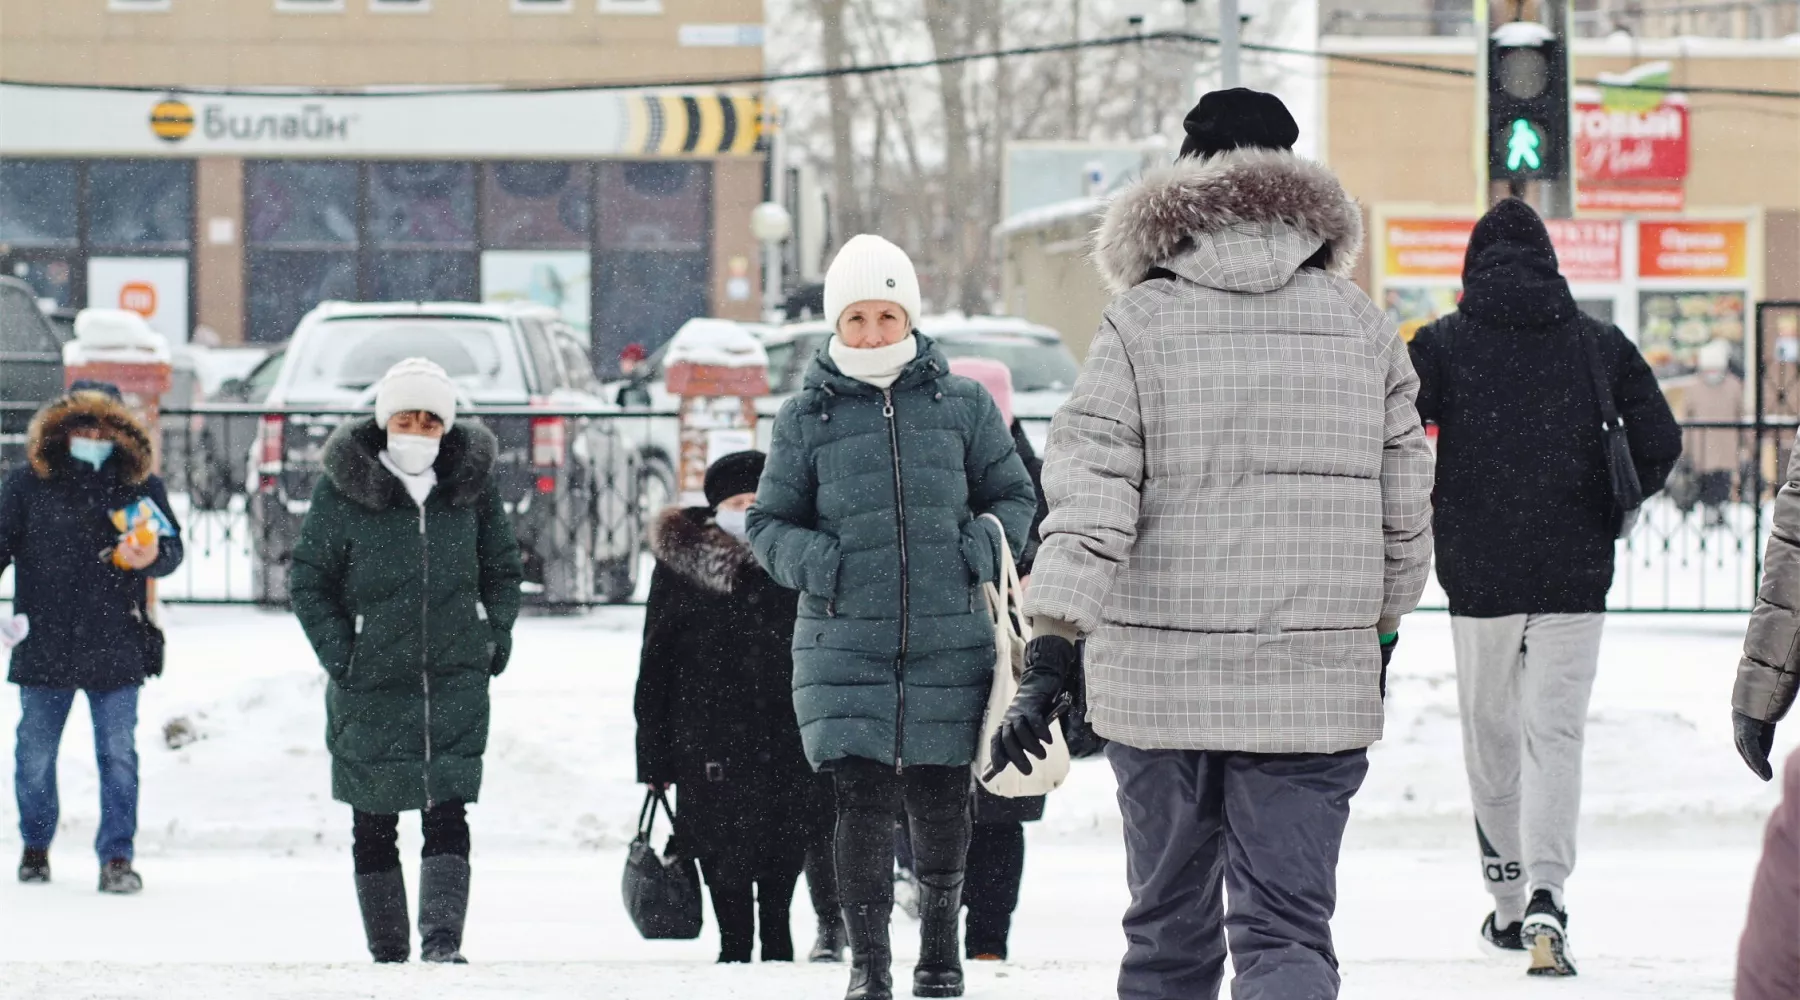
(410, 613)
(868, 506)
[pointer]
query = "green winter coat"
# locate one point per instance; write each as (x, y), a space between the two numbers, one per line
(410, 613)
(870, 511)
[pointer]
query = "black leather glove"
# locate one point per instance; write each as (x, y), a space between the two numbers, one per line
(502, 654)
(1755, 738)
(1050, 664)
(1387, 650)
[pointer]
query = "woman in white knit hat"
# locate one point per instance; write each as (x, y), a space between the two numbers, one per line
(871, 506)
(406, 580)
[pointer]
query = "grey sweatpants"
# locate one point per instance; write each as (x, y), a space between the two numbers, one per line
(1523, 684)
(1265, 830)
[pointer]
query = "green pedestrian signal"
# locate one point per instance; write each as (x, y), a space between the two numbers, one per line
(1523, 145)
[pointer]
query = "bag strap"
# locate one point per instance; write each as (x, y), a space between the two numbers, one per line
(1006, 596)
(1447, 390)
(647, 815)
(1609, 412)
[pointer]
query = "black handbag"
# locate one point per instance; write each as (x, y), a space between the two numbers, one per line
(150, 637)
(662, 894)
(1627, 491)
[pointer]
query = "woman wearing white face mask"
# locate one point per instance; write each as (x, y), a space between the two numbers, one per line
(406, 580)
(715, 717)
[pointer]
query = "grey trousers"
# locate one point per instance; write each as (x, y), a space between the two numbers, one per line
(1523, 683)
(1232, 845)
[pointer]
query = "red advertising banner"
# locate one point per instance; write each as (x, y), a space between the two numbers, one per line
(1588, 249)
(1693, 249)
(1633, 198)
(1614, 146)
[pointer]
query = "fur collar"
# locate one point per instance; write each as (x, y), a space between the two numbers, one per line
(1157, 219)
(353, 461)
(692, 546)
(48, 440)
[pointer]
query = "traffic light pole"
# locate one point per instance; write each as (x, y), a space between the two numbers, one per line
(1229, 26)
(1526, 96)
(1558, 199)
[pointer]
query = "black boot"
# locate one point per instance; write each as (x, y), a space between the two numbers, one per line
(34, 866)
(871, 960)
(382, 897)
(443, 906)
(775, 924)
(939, 972)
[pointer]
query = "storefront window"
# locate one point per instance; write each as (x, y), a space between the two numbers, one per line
(664, 206)
(141, 204)
(300, 204)
(422, 205)
(37, 202)
(644, 297)
(285, 284)
(536, 206)
(424, 276)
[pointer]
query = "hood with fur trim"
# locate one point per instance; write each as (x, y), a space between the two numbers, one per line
(48, 440)
(353, 461)
(688, 542)
(1240, 221)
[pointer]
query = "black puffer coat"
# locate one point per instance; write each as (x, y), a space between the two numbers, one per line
(1523, 507)
(715, 707)
(54, 525)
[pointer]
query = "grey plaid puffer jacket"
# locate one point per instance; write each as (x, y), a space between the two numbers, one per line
(1770, 670)
(1239, 488)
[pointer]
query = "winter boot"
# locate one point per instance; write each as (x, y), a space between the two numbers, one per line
(829, 945)
(871, 959)
(34, 867)
(382, 897)
(117, 879)
(984, 939)
(443, 906)
(939, 972)
(1545, 934)
(775, 924)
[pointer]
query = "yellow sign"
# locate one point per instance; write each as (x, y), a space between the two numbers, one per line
(688, 124)
(172, 120)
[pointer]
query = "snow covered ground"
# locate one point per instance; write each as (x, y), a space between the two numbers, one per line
(247, 863)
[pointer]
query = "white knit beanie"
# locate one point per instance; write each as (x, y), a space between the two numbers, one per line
(416, 384)
(869, 268)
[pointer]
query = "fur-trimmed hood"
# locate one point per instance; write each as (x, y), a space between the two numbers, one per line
(1241, 221)
(353, 461)
(688, 542)
(48, 440)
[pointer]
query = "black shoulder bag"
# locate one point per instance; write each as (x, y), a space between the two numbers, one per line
(1627, 491)
(662, 893)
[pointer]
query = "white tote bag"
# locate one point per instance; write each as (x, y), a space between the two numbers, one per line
(1006, 603)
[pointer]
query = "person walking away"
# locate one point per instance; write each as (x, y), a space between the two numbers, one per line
(1240, 515)
(715, 712)
(879, 474)
(406, 581)
(1525, 528)
(83, 592)
(1768, 963)
(996, 866)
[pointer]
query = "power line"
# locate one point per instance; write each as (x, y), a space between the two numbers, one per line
(798, 76)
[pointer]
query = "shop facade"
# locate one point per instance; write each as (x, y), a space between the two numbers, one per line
(628, 210)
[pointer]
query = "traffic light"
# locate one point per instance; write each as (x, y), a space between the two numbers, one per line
(1527, 103)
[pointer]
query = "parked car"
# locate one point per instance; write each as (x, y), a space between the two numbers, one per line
(570, 484)
(31, 368)
(220, 464)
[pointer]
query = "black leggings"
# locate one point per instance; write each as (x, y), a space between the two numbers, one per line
(753, 884)
(869, 794)
(377, 836)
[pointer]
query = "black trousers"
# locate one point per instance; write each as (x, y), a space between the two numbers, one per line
(754, 884)
(869, 794)
(377, 836)
(991, 889)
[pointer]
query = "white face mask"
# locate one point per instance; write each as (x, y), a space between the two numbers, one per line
(735, 523)
(412, 453)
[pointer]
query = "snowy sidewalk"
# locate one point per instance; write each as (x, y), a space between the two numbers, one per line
(249, 892)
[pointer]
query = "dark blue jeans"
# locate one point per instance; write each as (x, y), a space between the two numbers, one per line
(45, 710)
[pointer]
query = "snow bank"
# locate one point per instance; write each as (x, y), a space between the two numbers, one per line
(717, 342)
(114, 335)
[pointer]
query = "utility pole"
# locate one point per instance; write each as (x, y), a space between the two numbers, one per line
(1229, 26)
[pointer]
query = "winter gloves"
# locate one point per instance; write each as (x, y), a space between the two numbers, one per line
(502, 653)
(1755, 738)
(1050, 665)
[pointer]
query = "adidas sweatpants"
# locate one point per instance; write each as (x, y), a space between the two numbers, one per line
(1523, 684)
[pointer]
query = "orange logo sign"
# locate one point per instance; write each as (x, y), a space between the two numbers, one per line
(139, 297)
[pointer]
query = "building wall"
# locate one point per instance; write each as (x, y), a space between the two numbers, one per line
(219, 264)
(251, 42)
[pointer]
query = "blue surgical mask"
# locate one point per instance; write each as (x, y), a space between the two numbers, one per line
(735, 523)
(91, 451)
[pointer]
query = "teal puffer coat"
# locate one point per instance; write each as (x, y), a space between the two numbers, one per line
(868, 506)
(410, 612)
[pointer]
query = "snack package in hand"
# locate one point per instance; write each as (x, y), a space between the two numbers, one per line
(139, 524)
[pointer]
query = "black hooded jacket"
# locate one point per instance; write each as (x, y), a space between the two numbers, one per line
(1523, 509)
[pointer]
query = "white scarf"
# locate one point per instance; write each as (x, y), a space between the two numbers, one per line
(418, 487)
(878, 366)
